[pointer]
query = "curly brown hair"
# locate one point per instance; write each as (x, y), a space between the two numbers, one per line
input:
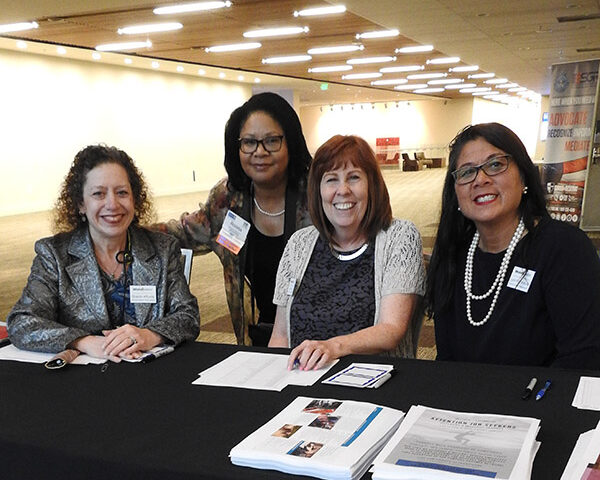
(66, 209)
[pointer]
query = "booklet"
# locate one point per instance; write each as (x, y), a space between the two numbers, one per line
(323, 438)
(441, 444)
(584, 463)
(362, 375)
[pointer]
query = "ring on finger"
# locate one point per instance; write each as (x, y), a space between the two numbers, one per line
(133, 341)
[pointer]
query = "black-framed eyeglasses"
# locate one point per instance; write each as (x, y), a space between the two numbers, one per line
(271, 143)
(495, 165)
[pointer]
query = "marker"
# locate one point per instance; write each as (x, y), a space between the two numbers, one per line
(153, 356)
(529, 389)
(541, 393)
(296, 363)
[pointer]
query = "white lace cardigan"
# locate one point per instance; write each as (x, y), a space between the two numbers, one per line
(398, 269)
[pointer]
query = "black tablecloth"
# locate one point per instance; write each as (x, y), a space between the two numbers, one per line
(148, 421)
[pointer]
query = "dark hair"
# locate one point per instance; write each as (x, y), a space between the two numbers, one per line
(282, 112)
(455, 231)
(334, 153)
(66, 210)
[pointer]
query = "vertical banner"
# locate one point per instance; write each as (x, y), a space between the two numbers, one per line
(572, 105)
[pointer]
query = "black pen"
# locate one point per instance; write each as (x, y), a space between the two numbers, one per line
(153, 356)
(529, 389)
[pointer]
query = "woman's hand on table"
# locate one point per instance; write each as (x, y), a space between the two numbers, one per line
(313, 354)
(129, 341)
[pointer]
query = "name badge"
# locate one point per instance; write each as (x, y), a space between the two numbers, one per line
(291, 286)
(142, 294)
(521, 279)
(233, 232)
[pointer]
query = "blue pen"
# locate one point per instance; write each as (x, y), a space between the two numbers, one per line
(541, 393)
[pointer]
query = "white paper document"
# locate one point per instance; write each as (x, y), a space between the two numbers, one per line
(441, 444)
(584, 462)
(323, 438)
(587, 395)
(10, 352)
(259, 371)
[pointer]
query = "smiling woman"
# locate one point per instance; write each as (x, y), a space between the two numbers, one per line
(78, 295)
(351, 283)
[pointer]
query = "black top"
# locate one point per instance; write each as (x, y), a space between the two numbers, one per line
(335, 297)
(262, 260)
(556, 322)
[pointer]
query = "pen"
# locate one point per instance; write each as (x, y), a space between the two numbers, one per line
(541, 393)
(529, 389)
(296, 363)
(153, 356)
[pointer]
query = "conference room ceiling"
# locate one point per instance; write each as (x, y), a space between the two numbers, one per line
(515, 39)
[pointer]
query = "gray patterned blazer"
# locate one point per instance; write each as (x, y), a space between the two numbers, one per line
(63, 299)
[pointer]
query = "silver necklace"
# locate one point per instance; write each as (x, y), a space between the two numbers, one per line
(497, 285)
(264, 212)
(344, 257)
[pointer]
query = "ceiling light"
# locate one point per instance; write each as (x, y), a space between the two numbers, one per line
(443, 60)
(309, 12)
(415, 49)
(221, 75)
(494, 81)
(482, 75)
(517, 89)
(96, 56)
(402, 68)
(365, 60)
(112, 47)
(257, 80)
(240, 78)
(21, 44)
(18, 27)
(423, 76)
(491, 93)
(336, 49)
(445, 81)
(232, 47)
(507, 85)
(414, 86)
(460, 85)
(61, 50)
(390, 81)
(428, 90)
(287, 59)
(190, 7)
(361, 76)
(464, 68)
(331, 68)
(475, 89)
(201, 71)
(150, 28)
(378, 34)
(128, 61)
(275, 32)
(155, 64)
(180, 68)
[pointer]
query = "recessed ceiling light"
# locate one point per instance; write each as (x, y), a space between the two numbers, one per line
(458, 86)
(390, 81)
(365, 60)
(361, 76)
(257, 80)
(445, 81)
(128, 61)
(221, 75)
(482, 75)
(443, 60)
(287, 59)
(233, 47)
(61, 50)
(475, 89)
(21, 44)
(114, 47)
(517, 89)
(415, 49)
(507, 85)
(494, 81)
(150, 28)
(378, 34)
(402, 68)
(190, 7)
(240, 78)
(201, 71)
(464, 68)
(17, 27)
(155, 64)
(309, 12)
(275, 32)
(423, 76)
(414, 86)
(428, 90)
(96, 56)
(330, 68)
(180, 68)
(335, 49)
(490, 93)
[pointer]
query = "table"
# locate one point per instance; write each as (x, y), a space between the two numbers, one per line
(146, 421)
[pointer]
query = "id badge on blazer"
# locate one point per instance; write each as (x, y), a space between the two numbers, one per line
(233, 232)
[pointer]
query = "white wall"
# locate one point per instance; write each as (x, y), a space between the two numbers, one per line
(52, 107)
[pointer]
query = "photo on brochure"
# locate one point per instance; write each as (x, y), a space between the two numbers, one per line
(321, 406)
(324, 421)
(306, 449)
(286, 431)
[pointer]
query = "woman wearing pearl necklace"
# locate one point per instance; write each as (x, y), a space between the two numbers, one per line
(506, 284)
(351, 283)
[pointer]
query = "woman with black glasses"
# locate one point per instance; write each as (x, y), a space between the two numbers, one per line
(506, 284)
(250, 215)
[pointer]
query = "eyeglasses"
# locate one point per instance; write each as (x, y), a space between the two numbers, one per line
(270, 144)
(493, 166)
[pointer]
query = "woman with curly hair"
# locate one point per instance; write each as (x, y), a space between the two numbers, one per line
(79, 293)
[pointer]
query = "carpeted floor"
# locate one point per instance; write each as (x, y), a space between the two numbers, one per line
(414, 196)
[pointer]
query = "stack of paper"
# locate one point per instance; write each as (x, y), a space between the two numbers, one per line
(584, 463)
(260, 371)
(323, 438)
(587, 395)
(441, 444)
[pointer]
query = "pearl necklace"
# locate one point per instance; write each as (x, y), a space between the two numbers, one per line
(345, 257)
(497, 285)
(264, 212)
